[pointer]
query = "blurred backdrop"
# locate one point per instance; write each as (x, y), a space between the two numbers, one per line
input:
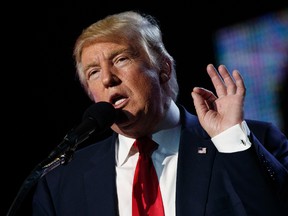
(42, 99)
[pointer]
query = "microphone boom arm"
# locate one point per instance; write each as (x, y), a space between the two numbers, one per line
(61, 155)
(100, 116)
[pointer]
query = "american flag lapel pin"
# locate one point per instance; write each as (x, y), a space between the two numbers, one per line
(202, 150)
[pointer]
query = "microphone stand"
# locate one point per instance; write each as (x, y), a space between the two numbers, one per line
(93, 119)
(61, 155)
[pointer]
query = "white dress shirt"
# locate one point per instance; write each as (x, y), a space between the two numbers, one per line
(165, 159)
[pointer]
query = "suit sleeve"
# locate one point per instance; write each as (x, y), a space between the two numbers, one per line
(271, 147)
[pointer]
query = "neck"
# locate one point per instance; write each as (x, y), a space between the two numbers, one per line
(171, 118)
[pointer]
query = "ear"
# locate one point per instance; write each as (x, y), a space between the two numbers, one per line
(165, 73)
(163, 77)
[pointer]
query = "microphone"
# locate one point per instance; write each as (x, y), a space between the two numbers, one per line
(96, 119)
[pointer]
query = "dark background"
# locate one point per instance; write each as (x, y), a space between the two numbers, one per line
(41, 97)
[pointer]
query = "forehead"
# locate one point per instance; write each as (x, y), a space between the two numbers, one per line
(109, 48)
(104, 49)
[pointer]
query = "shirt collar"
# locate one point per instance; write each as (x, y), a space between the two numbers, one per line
(167, 137)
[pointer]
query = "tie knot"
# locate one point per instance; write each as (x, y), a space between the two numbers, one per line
(145, 145)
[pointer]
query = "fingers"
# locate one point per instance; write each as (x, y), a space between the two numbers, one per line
(224, 82)
(203, 100)
(205, 94)
(241, 89)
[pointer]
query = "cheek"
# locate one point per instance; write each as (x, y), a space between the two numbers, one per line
(147, 90)
(95, 93)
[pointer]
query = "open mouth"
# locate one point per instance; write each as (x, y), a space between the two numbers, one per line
(118, 100)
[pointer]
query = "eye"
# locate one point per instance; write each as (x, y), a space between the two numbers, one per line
(121, 61)
(93, 74)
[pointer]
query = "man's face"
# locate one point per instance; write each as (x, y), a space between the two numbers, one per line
(122, 76)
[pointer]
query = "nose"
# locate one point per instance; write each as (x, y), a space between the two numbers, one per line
(109, 76)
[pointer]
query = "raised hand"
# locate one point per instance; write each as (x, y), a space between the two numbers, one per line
(218, 113)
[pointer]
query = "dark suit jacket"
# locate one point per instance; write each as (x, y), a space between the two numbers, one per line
(252, 182)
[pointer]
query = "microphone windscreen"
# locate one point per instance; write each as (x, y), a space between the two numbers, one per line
(103, 113)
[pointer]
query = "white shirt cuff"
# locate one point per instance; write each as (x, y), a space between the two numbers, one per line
(234, 139)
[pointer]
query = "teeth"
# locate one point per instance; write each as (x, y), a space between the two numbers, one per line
(119, 101)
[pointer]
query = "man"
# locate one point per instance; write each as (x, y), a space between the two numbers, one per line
(215, 163)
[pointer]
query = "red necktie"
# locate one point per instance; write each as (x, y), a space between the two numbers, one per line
(146, 194)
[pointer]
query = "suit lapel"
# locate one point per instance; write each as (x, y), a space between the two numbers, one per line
(195, 161)
(99, 181)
